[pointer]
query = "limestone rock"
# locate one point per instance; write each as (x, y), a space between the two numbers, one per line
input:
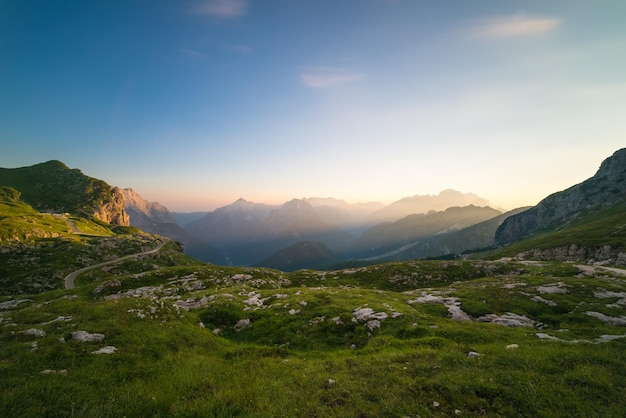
(84, 336)
(113, 211)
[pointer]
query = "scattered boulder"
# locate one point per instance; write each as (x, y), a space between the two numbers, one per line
(10, 304)
(618, 321)
(242, 323)
(109, 349)
(552, 288)
(35, 332)
(84, 336)
(453, 305)
(49, 371)
(509, 319)
(373, 324)
(542, 300)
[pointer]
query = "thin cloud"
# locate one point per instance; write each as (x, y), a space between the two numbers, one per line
(192, 54)
(240, 49)
(513, 26)
(223, 8)
(323, 77)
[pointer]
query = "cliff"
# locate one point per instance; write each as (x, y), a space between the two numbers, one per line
(606, 189)
(112, 211)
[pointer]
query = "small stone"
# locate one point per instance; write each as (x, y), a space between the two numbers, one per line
(201, 325)
(331, 382)
(242, 323)
(436, 404)
(473, 354)
(512, 346)
(457, 412)
(36, 332)
(105, 350)
(84, 336)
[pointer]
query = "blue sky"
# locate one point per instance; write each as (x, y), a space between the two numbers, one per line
(197, 103)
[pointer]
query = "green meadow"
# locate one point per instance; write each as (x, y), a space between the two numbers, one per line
(202, 340)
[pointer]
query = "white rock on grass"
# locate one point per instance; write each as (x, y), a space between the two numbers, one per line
(509, 319)
(49, 371)
(10, 304)
(109, 349)
(512, 346)
(542, 300)
(473, 354)
(84, 336)
(373, 324)
(552, 288)
(618, 321)
(242, 323)
(35, 332)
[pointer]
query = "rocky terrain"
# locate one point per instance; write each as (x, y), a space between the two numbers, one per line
(606, 189)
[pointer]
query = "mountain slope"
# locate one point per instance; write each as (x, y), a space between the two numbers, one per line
(392, 235)
(480, 235)
(606, 189)
(53, 187)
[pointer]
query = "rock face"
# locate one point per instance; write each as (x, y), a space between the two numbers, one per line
(144, 213)
(113, 211)
(153, 217)
(606, 189)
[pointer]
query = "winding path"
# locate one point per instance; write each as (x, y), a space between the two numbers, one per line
(69, 280)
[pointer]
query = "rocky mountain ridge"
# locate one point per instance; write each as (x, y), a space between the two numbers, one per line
(606, 189)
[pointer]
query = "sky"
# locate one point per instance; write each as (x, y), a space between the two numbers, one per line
(197, 103)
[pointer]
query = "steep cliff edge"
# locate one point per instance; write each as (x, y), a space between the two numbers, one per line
(153, 217)
(113, 211)
(606, 189)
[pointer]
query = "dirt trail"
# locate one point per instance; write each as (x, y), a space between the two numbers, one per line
(70, 279)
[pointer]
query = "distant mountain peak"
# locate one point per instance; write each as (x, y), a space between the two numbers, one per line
(427, 203)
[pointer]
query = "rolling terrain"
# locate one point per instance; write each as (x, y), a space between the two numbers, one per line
(534, 328)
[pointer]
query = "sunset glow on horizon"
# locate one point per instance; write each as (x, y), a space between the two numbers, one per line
(195, 104)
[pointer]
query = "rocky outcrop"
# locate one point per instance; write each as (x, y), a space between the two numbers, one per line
(153, 217)
(606, 189)
(144, 213)
(113, 211)
(576, 253)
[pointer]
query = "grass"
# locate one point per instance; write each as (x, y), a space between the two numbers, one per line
(307, 364)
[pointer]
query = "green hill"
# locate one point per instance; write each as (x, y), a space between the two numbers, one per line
(53, 187)
(304, 254)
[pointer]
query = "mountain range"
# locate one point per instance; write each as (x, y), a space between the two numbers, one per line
(248, 233)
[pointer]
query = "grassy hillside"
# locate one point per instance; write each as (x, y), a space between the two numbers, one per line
(38, 250)
(53, 187)
(377, 341)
